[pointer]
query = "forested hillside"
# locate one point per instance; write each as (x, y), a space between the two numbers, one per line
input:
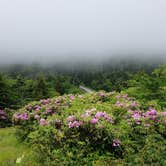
(125, 124)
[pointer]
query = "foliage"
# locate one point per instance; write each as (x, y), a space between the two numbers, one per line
(6, 117)
(149, 88)
(93, 129)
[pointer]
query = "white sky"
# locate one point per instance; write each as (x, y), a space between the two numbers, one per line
(31, 29)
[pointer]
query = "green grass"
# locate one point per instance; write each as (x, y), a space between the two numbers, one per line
(11, 149)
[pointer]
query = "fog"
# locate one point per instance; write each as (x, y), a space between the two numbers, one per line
(66, 30)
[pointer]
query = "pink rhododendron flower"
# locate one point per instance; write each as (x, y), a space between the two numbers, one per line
(45, 101)
(102, 94)
(147, 125)
(75, 124)
(153, 117)
(125, 96)
(134, 104)
(152, 112)
(119, 104)
(71, 118)
(85, 115)
(118, 96)
(72, 97)
(37, 108)
(138, 122)
(163, 113)
(136, 116)
(48, 110)
(36, 116)
(99, 115)
(43, 122)
(94, 121)
(108, 118)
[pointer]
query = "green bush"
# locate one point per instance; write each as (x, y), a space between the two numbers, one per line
(93, 129)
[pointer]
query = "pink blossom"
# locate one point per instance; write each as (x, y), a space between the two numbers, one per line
(102, 94)
(138, 122)
(147, 125)
(163, 113)
(45, 101)
(72, 97)
(118, 96)
(75, 124)
(108, 118)
(57, 101)
(136, 116)
(36, 116)
(71, 118)
(134, 104)
(85, 115)
(93, 121)
(37, 108)
(43, 122)
(125, 96)
(99, 115)
(48, 110)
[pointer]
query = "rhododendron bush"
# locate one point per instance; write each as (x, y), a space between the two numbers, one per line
(93, 129)
(5, 117)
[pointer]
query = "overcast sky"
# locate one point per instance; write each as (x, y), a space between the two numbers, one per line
(33, 29)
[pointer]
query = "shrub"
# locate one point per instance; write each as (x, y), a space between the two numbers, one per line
(93, 129)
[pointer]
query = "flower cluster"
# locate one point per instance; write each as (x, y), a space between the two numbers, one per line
(45, 101)
(91, 116)
(73, 122)
(123, 101)
(43, 122)
(151, 116)
(23, 116)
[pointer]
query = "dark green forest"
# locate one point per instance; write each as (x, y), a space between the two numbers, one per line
(20, 84)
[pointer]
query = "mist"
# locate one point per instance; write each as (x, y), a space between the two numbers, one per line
(66, 31)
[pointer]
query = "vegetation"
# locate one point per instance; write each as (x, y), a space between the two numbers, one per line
(12, 151)
(123, 125)
(94, 129)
